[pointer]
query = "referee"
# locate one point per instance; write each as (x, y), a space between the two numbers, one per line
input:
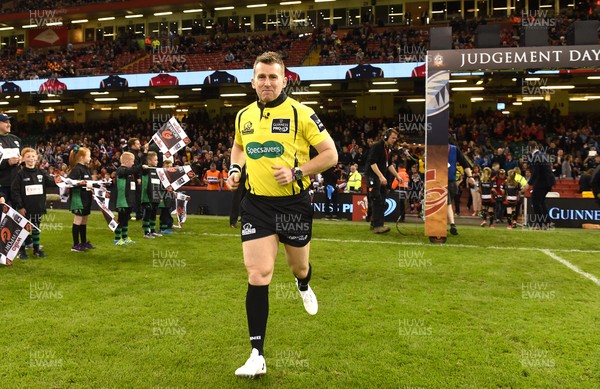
(272, 140)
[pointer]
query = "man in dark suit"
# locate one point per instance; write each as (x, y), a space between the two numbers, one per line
(595, 181)
(542, 180)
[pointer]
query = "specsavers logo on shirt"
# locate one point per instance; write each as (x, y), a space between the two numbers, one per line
(269, 149)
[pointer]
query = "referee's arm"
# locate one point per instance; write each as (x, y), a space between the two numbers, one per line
(237, 158)
(327, 157)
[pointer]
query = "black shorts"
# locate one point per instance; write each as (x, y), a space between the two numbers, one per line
(82, 212)
(487, 203)
(289, 217)
(452, 191)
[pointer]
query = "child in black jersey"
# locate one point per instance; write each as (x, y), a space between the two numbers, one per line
(80, 201)
(512, 190)
(150, 197)
(125, 194)
(167, 204)
(498, 195)
(487, 200)
(28, 192)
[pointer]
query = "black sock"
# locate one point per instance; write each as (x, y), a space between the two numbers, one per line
(83, 233)
(303, 283)
(257, 311)
(75, 231)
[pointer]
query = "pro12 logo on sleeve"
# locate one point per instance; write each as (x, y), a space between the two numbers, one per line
(318, 122)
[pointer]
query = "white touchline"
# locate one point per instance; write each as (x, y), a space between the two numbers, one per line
(391, 243)
(549, 253)
(568, 264)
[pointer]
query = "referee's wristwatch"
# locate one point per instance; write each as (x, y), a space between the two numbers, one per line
(297, 174)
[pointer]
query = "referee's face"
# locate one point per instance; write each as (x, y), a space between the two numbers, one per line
(268, 81)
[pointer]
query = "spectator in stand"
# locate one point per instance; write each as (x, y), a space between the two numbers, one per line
(590, 161)
(475, 193)
(499, 158)
(212, 178)
(354, 180)
(585, 181)
(360, 56)
(510, 163)
(567, 167)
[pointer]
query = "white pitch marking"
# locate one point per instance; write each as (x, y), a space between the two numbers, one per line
(568, 264)
(441, 245)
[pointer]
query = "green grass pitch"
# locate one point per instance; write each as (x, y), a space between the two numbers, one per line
(491, 308)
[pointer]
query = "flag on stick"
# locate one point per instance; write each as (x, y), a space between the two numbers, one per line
(175, 177)
(14, 229)
(171, 138)
(181, 202)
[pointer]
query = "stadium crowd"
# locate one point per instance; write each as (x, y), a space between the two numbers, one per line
(364, 43)
(98, 58)
(486, 138)
(27, 5)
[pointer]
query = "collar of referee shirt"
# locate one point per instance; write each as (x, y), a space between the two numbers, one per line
(272, 104)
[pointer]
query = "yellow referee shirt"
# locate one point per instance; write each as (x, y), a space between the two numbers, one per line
(278, 134)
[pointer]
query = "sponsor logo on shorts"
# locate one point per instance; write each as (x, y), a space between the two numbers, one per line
(298, 237)
(269, 149)
(280, 126)
(247, 229)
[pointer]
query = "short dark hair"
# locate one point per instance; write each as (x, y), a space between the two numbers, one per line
(532, 145)
(131, 142)
(269, 58)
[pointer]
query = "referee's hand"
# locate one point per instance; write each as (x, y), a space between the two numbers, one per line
(233, 181)
(283, 175)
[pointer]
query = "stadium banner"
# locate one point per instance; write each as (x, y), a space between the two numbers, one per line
(355, 206)
(171, 137)
(14, 229)
(181, 203)
(174, 178)
(569, 212)
(305, 74)
(514, 58)
(437, 102)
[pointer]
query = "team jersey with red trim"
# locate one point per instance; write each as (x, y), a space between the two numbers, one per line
(512, 191)
(486, 191)
(291, 76)
(164, 79)
(418, 71)
(52, 85)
